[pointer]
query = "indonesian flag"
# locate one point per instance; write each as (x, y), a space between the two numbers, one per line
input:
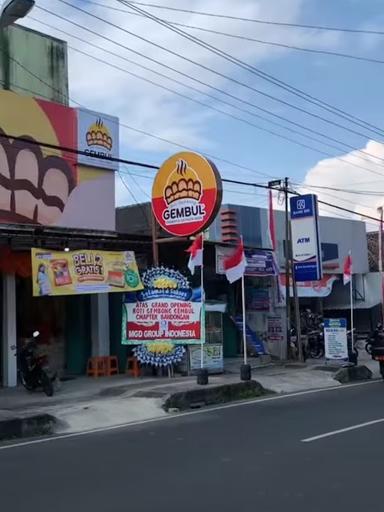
(235, 264)
(196, 254)
(272, 233)
(347, 269)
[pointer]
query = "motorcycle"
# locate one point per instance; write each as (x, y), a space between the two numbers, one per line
(373, 338)
(316, 344)
(34, 372)
(293, 345)
(376, 347)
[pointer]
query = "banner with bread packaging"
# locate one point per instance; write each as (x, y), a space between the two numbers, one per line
(83, 271)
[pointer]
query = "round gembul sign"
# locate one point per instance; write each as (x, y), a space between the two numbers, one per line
(186, 194)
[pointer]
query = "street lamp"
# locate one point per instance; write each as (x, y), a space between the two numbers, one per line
(12, 10)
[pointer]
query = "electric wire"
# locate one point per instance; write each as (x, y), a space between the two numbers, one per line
(261, 74)
(264, 22)
(251, 39)
(156, 84)
(233, 80)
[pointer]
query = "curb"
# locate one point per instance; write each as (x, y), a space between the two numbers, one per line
(38, 425)
(213, 395)
(353, 374)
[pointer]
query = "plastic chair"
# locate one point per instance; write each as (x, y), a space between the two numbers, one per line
(96, 367)
(112, 365)
(132, 367)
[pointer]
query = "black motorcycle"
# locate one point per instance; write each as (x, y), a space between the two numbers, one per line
(33, 371)
(316, 348)
(375, 347)
(373, 338)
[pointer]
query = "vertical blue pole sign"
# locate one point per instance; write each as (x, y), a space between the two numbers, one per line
(306, 247)
(335, 339)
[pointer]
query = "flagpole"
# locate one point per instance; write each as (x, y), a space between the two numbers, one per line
(244, 319)
(202, 329)
(351, 298)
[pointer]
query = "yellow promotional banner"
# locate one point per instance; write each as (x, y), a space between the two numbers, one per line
(83, 271)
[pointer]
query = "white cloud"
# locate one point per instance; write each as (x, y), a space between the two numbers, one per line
(145, 106)
(342, 174)
(154, 110)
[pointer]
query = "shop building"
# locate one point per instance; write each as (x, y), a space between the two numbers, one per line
(266, 313)
(53, 199)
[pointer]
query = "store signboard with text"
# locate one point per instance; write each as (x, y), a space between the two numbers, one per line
(335, 339)
(306, 247)
(213, 357)
(259, 262)
(186, 194)
(98, 138)
(84, 271)
(166, 309)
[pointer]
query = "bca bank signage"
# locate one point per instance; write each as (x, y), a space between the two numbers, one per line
(305, 238)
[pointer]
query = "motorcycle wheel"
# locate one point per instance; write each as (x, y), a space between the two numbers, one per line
(28, 386)
(47, 384)
(368, 348)
(382, 369)
(317, 353)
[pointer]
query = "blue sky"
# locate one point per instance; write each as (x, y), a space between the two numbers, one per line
(353, 86)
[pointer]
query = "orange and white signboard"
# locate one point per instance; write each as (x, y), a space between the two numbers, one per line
(186, 194)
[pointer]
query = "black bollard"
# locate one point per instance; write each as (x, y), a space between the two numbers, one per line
(202, 376)
(245, 372)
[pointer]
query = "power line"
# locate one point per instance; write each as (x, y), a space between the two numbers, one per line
(215, 157)
(261, 74)
(247, 38)
(258, 127)
(162, 139)
(72, 150)
(264, 22)
(156, 84)
(222, 75)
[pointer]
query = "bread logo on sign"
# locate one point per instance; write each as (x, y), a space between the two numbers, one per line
(186, 194)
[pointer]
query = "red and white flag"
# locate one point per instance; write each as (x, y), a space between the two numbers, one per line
(347, 269)
(235, 264)
(195, 254)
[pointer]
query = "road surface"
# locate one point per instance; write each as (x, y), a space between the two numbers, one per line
(312, 452)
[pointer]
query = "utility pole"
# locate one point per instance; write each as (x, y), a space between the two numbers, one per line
(380, 260)
(296, 304)
(287, 263)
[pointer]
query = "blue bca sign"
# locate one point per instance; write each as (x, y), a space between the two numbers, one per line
(306, 246)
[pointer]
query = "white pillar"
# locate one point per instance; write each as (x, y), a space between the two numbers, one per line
(9, 359)
(100, 324)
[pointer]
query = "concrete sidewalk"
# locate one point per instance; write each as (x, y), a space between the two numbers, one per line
(86, 403)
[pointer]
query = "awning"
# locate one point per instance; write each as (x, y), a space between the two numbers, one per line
(322, 288)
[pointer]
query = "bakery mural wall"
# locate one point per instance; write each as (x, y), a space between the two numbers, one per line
(51, 187)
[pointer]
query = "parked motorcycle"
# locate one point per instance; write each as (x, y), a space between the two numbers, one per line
(375, 347)
(316, 346)
(373, 338)
(34, 371)
(293, 345)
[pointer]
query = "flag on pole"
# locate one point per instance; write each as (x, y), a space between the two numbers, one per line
(347, 269)
(234, 265)
(272, 234)
(195, 254)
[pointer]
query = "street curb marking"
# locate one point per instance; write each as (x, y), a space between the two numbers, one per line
(342, 430)
(189, 413)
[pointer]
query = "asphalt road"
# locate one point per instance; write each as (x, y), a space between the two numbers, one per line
(248, 457)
